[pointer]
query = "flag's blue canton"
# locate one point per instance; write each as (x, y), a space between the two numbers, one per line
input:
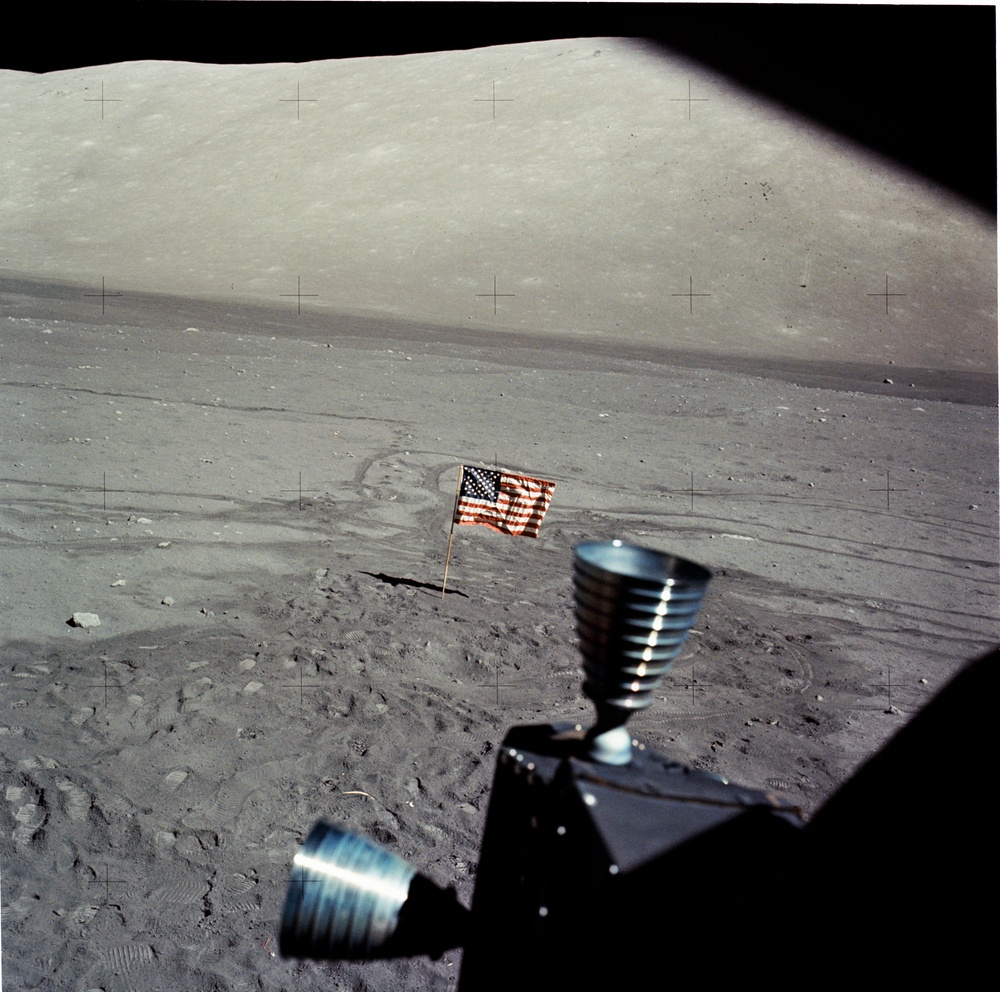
(481, 483)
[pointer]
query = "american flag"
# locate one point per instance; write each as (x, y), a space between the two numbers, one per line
(510, 504)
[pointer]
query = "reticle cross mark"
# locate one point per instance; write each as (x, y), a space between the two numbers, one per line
(692, 492)
(689, 99)
(298, 294)
(103, 294)
(302, 685)
(497, 685)
(298, 101)
(495, 294)
(887, 489)
(102, 99)
(300, 491)
(107, 882)
(691, 294)
(102, 685)
(298, 876)
(692, 684)
(885, 293)
(494, 100)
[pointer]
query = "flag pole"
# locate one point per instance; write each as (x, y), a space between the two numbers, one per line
(458, 487)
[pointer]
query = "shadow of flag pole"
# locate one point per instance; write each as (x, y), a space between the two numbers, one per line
(454, 513)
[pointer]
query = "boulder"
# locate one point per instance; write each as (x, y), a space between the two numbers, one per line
(85, 620)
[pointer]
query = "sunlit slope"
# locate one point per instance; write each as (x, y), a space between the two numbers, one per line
(602, 200)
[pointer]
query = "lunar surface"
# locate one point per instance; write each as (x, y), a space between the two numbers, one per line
(253, 319)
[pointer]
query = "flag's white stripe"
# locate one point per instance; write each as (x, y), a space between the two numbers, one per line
(502, 511)
(505, 511)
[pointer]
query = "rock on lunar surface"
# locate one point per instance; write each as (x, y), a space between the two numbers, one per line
(85, 620)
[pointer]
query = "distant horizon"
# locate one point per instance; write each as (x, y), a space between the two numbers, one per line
(530, 351)
(584, 189)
